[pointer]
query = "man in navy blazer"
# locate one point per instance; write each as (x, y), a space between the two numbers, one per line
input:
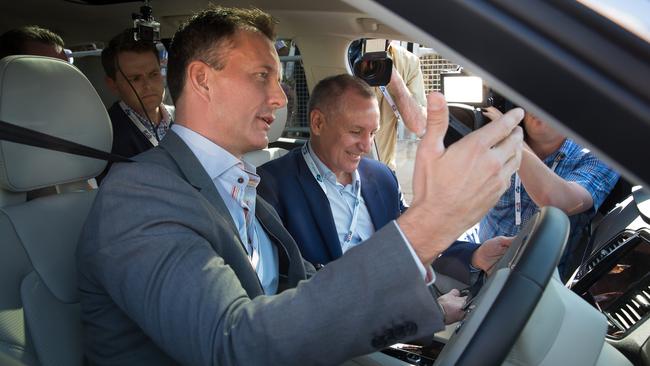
(325, 221)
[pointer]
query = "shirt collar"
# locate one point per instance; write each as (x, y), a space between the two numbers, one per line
(563, 151)
(165, 121)
(214, 159)
(166, 115)
(325, 171)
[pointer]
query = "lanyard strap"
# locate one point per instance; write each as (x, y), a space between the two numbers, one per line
(357, 192)
(518, 191)
(390, 101)
(138, 123)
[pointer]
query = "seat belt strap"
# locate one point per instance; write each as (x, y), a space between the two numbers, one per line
(25, 136)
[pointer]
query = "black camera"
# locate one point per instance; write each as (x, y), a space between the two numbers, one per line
(145, 27)
(374, 68)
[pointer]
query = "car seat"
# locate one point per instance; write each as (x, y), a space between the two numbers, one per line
(39, 302)
(262, 156)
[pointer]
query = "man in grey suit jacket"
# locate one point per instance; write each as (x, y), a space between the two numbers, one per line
(181, 263)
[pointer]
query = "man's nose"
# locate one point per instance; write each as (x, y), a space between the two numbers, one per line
(147, 83)
(277, 98)
(365, 143)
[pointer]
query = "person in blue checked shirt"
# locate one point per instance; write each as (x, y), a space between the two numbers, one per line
(554, 171)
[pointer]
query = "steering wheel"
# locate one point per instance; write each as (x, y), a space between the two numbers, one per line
(498, 313)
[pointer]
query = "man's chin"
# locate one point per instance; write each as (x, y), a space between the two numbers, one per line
(260, 145)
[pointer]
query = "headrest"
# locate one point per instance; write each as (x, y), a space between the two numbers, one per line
(53, 97)
(278, 125)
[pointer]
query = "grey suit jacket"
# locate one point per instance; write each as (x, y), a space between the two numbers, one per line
(164, 279)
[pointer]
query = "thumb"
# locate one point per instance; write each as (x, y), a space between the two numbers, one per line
(437, 122)
(431, 146)
(454, 292)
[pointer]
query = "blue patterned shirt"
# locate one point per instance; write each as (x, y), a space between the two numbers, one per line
(576, 164)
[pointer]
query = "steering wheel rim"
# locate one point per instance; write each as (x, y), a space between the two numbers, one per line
(525, 270)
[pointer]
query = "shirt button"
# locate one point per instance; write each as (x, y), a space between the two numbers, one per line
(240, 180)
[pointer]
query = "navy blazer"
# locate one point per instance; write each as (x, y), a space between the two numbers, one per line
(128, 140)
(288, 185)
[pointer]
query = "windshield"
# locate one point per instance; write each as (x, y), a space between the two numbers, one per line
(633, 15)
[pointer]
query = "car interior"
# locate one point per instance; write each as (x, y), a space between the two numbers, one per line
(524, 314)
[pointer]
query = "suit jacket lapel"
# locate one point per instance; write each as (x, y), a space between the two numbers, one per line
(194, 174)
(372, 197)
(290, 260)
(319, 206)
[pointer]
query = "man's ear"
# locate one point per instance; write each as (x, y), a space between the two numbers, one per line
(316, 121)
(197, 77)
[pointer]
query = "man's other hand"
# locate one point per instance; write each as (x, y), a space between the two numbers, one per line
(452, 304)
(486, 256)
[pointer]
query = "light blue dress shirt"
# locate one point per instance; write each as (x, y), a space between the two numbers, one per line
(342, 200)
(231, 177)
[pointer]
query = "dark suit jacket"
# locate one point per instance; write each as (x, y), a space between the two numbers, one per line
(165, 279)
(288, 185)
(128, 140)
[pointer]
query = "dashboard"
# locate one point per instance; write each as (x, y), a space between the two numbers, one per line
(615, 276)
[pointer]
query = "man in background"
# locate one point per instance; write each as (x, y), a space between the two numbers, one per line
(32, 40)
(140, 119)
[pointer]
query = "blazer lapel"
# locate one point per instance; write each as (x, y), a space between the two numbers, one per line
(194, 174)
(373, 198)
(320, 209)
(290, 261)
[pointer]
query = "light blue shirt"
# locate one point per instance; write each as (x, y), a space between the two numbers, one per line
(236, 182)
(342, 200)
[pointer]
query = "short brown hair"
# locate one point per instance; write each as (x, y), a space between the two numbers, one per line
(327, 93)
(13, 42)
(124, 42)
(207, 35)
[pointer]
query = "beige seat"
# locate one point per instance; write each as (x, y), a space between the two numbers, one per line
(260, 157)
(39, 302)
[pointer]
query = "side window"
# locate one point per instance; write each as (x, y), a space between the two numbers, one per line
(295, 87)
(395, 142)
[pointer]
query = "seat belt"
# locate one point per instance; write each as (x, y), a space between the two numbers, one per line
(25, 136)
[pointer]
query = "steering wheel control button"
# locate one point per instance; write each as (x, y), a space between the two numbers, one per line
(413, 358)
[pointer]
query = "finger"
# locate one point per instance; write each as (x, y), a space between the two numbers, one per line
(495, 131)
(492, 113)
(511, 166)
(432, 142)
(506, 240)
(510, 146)
(437, 122)
(454, 292)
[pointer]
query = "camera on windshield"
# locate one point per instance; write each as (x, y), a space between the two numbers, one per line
(145, 27)
(374, 68)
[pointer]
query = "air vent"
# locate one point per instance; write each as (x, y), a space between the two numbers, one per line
(622, 317)
(606, 250)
